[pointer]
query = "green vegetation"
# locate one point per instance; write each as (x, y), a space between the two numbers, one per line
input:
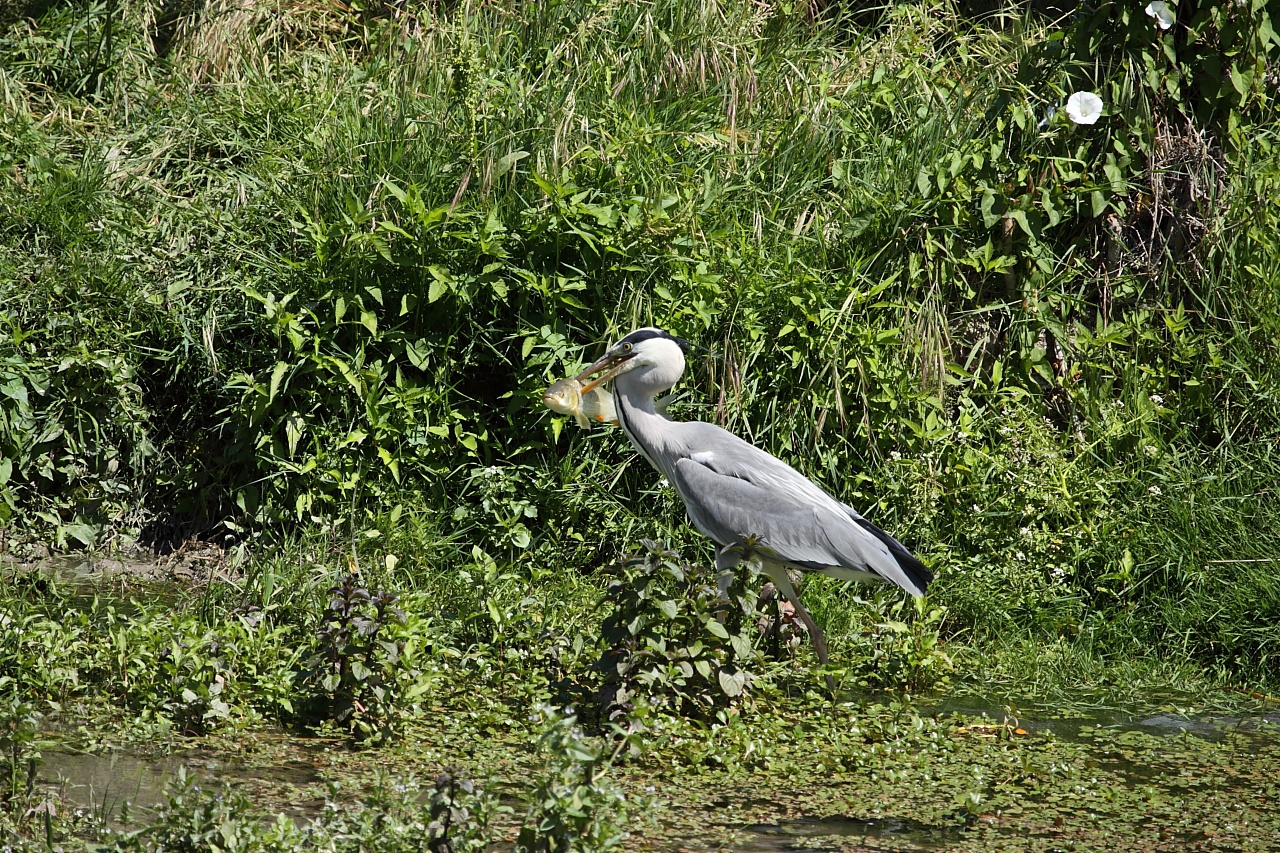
(291, 278)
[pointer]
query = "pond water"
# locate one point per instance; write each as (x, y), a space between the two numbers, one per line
(102, 782)
(797, 835)
(1161, 779)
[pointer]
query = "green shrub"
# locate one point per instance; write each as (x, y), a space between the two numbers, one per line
(362, 673)
(673, 642)
(572, 807)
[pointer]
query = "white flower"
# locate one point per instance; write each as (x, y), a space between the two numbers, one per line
(1084, 107)
(1157, 399)
(1160, 10)
(1155, 490)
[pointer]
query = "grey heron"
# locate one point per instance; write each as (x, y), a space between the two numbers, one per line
(749, 502)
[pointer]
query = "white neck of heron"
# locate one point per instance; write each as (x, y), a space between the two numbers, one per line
(640, 420)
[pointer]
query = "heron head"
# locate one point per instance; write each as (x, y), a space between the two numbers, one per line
(651, 357)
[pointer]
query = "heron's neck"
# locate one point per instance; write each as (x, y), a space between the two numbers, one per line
(640, 420)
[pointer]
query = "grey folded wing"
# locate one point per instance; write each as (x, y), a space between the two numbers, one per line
(737, 493)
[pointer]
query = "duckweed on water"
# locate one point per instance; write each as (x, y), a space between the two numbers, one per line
(804, 773)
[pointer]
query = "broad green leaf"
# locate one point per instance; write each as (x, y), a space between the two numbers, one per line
(83, 533)
(277, 374)
(1098, 202)
(732, 683)
(507, 162)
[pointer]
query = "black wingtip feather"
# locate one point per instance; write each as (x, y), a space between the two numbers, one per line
(914, 569)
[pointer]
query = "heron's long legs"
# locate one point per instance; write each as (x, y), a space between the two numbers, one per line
(815, 633)
(729, 558)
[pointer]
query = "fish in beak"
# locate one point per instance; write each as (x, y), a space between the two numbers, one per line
(612, 363)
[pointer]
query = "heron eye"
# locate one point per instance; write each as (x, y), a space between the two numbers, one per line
(626, 347)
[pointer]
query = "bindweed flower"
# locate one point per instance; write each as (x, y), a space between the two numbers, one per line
(1084, 107)
(1160, 10)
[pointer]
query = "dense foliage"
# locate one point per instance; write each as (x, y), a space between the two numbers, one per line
(270, 267)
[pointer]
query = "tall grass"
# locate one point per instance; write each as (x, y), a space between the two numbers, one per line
(274, 265)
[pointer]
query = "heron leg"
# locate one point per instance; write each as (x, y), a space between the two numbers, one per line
(778, 574)
(728, 559)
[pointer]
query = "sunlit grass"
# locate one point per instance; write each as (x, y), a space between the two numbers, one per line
(490, 193)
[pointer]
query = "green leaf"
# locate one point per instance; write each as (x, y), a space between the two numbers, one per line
(390, 461)
(923, 184)
(732, 683)
(277, 374)
(716, 628)
(1114, 175)
(1020, 217)
(989, 219)
(436, 289)
(1240, 82)
(83, 533)
(1046, 201)
(508, 162)
(16, 390)
(1099, 202)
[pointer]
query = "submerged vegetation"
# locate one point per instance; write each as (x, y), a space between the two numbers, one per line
(290, 279)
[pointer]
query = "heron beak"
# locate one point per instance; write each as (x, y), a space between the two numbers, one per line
(611, 363)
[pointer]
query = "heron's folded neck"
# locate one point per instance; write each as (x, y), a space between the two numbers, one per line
(642, 423)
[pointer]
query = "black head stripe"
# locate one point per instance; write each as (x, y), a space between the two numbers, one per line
(649, 334)
(645, 335)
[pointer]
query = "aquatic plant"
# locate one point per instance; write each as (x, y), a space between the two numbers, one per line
(672, 640)
(19, 756)
(357, 671)
(573, 808)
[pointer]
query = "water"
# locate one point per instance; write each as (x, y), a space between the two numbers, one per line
(103, 782)
(1069, 723)
(1146, 757)
(793, 835)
